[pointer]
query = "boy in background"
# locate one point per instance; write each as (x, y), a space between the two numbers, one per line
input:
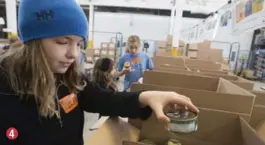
(133, 63)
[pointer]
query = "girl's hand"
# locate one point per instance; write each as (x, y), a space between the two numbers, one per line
(158, 100)
(126, 70)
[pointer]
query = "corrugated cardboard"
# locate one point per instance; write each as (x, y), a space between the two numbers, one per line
(241, 82)
(193, 46)
(221, 72)
(218, 119)
(192, 54)
(161, 53)
(104, 45)
(161, 50)
(205, 52)
(216, 55)
(116, 131)
(206, 45)
(168, 60)
(258, 113)
(162, 44)
(219, 124)
(169, 39)
(198, 87)
(202, 64)
(208, 99)
(214, 128)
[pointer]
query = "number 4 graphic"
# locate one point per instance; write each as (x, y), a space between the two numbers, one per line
(12, 133)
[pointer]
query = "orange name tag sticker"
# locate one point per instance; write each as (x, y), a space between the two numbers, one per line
(136, 60)
(69, 102)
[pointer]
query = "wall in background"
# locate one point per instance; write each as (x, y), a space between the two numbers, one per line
(148, 27)
(153, 28)
(244, 39)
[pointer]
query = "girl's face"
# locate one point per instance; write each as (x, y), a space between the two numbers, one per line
(133, 48)
(62, 51)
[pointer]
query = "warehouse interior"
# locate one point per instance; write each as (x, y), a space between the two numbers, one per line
(212, 51)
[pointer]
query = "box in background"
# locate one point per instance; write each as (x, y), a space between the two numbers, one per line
(241, 82)
(198, 87)
(203, 64)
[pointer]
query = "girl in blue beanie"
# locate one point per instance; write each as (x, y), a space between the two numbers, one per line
(42, 91)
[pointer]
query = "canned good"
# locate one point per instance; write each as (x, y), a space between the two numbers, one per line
(182, 121)
(147, 142)
(127, 65)
(173, 142)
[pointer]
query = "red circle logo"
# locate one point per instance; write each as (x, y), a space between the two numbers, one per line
(12, 133)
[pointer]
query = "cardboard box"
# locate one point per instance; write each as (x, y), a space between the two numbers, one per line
(116, 131)
(104, 52)
(112, 46)
(215, 55)
(170, 60)
(241, 82)
(219, 124)
(206, 92)
(203, 64)
(193, 46)
(221, 72)
(161, 50)
(218, 119)
(192, 54)
(162, 44)
(104, 45)
(165, 53)
(258, 113)
(181, 43)
(206, 45)
(169, 40)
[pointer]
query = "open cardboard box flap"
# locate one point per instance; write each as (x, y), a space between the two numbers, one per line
(200, 64)
(258, 113)
(208, 99)
(230, 130)
(241, 82)
(113, 132)
(160, 60)
(189, 81)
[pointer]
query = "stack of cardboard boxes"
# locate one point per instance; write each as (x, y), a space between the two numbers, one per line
(164, 47)
(106, 50)
(203, 51)
(231, 113)
(198, 67)
(226, 114)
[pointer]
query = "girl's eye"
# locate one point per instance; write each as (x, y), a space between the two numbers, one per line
(81, 44)
(62, 42)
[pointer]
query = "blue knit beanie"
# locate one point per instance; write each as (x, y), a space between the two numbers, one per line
(50, 18)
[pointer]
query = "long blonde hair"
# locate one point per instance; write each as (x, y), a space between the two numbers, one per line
(30, 75)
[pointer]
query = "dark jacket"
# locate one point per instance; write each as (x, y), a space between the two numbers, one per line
(104, 85)
(35, 130)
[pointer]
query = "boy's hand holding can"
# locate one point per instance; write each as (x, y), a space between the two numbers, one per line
(126, 68)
